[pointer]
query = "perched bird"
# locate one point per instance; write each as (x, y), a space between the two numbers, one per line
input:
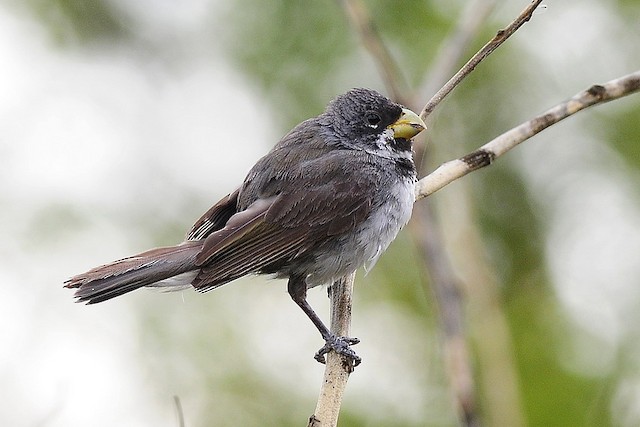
(326, 200)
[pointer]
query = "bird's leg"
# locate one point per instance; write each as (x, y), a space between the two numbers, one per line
(297, 288)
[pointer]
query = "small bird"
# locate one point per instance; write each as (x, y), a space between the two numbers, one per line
(327, 199)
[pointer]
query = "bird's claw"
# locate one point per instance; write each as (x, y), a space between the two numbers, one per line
(342, 346)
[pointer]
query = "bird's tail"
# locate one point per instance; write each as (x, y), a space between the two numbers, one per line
(173, 267)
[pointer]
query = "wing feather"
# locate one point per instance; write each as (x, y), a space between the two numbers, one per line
(287, 209)
(215, 218)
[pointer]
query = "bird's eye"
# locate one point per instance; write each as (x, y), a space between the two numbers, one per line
(373, 119)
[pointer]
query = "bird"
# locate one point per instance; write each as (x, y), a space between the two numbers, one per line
(327, 199)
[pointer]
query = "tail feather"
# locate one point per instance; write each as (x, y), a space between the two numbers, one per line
(145, 269)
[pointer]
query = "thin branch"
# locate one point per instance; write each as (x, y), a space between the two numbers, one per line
(500, 37)
(360, 18)
(445, 286)
(337, 370)
(179, 411)
(454, 169)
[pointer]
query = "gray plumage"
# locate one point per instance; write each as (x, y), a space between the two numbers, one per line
(327, 199)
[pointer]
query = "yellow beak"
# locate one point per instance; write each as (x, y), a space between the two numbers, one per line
(408, 125)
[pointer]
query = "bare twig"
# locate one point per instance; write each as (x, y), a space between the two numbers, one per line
(179, 412)
(454, 169)
(360, 18)
(446, 291)
(338, 369)
(486, 50)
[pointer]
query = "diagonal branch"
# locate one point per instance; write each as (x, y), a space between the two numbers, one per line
(596, 94)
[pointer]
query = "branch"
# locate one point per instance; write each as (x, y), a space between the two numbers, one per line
(179, 411)
(454, 169)
(500, 37)
(445, 287)
(337, 370)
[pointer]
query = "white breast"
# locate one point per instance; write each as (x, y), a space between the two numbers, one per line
(367, 242)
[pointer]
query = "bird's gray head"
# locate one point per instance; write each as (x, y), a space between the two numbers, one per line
(362, 112)
(365, 117)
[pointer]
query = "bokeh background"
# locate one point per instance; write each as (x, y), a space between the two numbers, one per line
(121, 122)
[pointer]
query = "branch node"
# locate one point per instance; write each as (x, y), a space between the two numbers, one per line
(313, 421)
(597, 91)
(478, 159)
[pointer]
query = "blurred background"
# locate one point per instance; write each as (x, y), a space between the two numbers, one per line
(121, 122)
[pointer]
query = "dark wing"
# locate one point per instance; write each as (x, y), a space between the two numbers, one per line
(248, 247)
(314, 201)
(337, 205)
(215, 218)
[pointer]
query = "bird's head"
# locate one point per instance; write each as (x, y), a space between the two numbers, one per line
(365, 117)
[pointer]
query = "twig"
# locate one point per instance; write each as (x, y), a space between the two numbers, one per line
(446, 291)
(337, 370)
(500, 37)
(180, 413)
(360, 18)
(486, 322)
(454, 169)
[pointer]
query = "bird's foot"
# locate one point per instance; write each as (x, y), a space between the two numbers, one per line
(342, 346)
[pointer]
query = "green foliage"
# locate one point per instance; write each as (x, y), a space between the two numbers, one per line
(552, 395)
(511, 225)
(299, 52)
(410, 29)
(79, 21)
(291, 49)
(397, 277)
(622, 131)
